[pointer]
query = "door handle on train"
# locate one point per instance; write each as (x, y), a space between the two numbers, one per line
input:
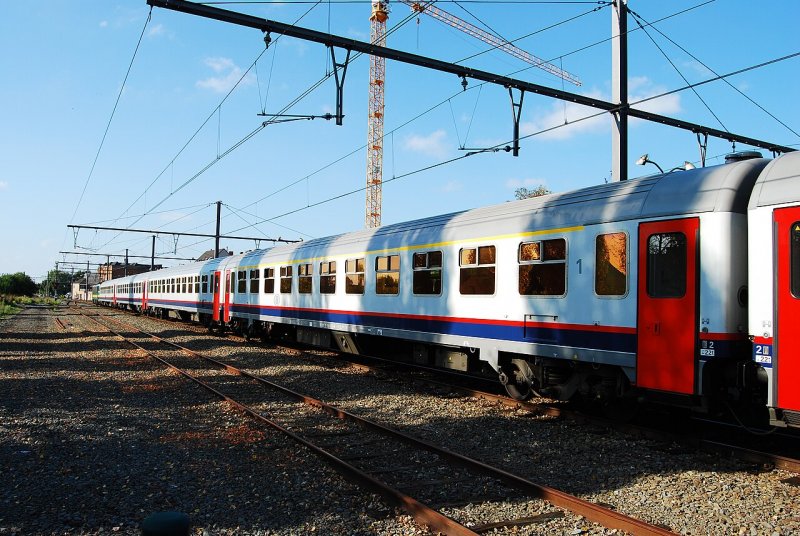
(655, 327)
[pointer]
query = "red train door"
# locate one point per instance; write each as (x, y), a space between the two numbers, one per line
(215, 312)
(787, 338)
(226, 313)
(667, 310)
(144, 296)
(114, 294)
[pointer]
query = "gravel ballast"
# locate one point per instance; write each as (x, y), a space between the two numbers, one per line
(94, 437)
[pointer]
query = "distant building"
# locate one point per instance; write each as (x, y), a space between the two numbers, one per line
(80, 290)
(208, 255)
(119, 269)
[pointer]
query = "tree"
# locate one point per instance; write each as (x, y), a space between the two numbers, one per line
(57, 282)
(18, 284)
(524, 193)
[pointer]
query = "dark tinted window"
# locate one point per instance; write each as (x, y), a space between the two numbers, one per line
(304, 273)
(254, 280)
(286, 279)
(387, 274)
(666, 265)
(269, 280)
(354, 276)
(428, 272)
(477, 270)
(543, 268)
(327, 277)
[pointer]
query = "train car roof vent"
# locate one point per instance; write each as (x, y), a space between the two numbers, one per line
(742, 155)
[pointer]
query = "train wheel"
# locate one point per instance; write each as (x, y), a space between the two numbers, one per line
(517, 378)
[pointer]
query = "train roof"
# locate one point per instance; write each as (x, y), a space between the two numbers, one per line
(778, 183)
(723, 188)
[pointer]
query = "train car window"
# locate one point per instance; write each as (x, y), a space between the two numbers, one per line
(354, 276)
(794, 267)
(666, 265)
(197, 284)
(304, 278)
(254, 280)
(387, 275)
(269, 280)
(427, 273)
(183, 285)
(204, 283)
(327, 277)
(543, 268)
(477, 270)
(241, 279)
(286, 279)
(611, 264)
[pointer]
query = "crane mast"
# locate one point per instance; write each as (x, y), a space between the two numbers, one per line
(377, 77)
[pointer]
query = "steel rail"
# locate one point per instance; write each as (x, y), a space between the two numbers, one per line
(706, 445)
(591, 511)
(421, 512)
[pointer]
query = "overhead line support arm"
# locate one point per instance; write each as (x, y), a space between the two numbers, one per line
(307, 34)
(182, 234)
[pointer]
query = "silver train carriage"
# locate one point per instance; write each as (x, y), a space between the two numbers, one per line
(629, 288)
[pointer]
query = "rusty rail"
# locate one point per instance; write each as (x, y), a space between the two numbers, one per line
(421, 512)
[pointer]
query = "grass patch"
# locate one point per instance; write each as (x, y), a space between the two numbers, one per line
(11, 305)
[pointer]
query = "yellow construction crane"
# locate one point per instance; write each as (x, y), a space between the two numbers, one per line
(377, 79)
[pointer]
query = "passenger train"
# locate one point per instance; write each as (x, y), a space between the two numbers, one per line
(681, 287)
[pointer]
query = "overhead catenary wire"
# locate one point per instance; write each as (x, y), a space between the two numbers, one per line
(573, 122)
(262, 126)
(675, 67)
(111, 117)
(496, 148)
(200, 128)
(355, 151)
(695, 58)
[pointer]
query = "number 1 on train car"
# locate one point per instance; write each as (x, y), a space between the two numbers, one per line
(667, 310)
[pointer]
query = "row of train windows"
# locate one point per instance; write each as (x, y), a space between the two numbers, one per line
(542, 272)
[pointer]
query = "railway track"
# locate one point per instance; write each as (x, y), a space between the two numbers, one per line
(422, 478)
(705, 435)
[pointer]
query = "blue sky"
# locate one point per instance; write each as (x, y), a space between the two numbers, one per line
(65, 61)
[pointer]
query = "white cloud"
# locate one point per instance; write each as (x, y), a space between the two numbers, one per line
(699, 68)
(175, 216)
(639, 87)
(357, 34)
(3, 185)
(229, 73)
(556, 115)
(434, 144)
(156, 31)
(104, 24)
(452, 186)
(667, 105)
